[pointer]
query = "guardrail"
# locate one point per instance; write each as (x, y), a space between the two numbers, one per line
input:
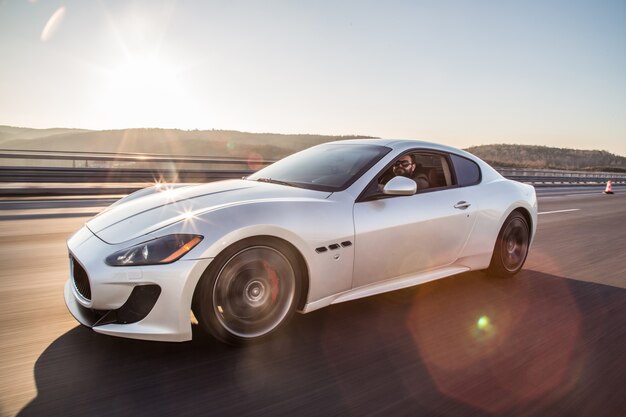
(115, 172)
(553, 176)
(65, 159)
(114, 175)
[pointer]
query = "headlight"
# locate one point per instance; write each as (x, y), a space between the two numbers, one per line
(162, 250)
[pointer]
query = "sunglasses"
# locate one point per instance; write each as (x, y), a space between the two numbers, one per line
(403, 164)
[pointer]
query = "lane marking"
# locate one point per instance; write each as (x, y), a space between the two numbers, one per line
(558, 211)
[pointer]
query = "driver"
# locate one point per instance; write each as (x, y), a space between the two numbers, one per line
(404, 166)
(407, 167)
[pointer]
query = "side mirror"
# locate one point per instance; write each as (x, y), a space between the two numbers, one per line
(400, 186)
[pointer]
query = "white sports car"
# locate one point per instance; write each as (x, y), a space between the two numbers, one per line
(335, 222)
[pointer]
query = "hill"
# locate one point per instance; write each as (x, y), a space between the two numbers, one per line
(274, 146)
(9, 133)
(544, 157)
(171, 142)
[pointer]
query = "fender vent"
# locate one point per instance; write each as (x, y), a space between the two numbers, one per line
(333, 246)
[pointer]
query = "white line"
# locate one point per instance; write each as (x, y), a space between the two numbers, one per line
(558, 211)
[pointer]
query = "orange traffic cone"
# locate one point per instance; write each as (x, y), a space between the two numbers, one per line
(609, 188)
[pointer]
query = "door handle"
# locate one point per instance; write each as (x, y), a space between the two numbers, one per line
(462, 205)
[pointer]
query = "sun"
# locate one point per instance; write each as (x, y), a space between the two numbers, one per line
(142, 75)
(142, 91)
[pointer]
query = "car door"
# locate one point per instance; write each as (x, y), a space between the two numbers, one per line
(401, 235)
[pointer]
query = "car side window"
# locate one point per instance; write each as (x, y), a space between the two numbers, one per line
(467, 171)
(430, 171)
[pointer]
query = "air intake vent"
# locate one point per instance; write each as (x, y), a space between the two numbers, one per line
(80, 279)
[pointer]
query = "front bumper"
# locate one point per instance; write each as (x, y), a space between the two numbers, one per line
(149, 302)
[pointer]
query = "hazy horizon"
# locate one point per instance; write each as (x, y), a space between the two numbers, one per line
(283, 134)
(454, 72)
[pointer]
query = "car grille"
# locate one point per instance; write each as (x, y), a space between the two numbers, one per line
(80, 279)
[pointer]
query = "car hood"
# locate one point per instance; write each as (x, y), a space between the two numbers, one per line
(125, 221)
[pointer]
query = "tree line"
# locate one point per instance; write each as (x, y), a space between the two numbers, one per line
(544, 157)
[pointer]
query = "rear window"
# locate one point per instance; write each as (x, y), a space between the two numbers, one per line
(467, 171)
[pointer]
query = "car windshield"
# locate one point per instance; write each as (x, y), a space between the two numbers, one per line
(327, 167)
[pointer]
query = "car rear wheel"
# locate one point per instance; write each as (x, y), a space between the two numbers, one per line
(511, 247)
(249, 291)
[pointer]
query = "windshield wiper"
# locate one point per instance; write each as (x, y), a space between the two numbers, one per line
(273, 181)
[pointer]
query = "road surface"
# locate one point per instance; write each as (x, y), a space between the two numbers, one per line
(550, 342)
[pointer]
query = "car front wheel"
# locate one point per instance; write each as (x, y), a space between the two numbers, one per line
(249, 291)
(511, 248)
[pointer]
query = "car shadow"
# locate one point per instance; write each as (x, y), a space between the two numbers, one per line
(469, 345)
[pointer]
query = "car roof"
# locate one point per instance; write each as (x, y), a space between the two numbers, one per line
(404, 144)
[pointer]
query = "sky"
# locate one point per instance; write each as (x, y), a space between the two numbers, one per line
(463, 73)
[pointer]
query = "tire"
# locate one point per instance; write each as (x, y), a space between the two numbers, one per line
(249, 291)
(511, 248)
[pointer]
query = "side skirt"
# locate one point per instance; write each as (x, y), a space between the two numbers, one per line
(385, 286)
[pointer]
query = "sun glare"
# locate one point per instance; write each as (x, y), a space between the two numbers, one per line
(143, 74)
(141, 91)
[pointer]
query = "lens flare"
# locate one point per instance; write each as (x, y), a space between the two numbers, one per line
(483, 323)
(478, 357)
(255, 161)
(53, 24)
(484, 333)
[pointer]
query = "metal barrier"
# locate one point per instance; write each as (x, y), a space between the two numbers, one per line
(63, 159)
(554, 176)
(114, 175)
(23, 168)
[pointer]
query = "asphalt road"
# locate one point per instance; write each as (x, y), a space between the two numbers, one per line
(550, 342)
